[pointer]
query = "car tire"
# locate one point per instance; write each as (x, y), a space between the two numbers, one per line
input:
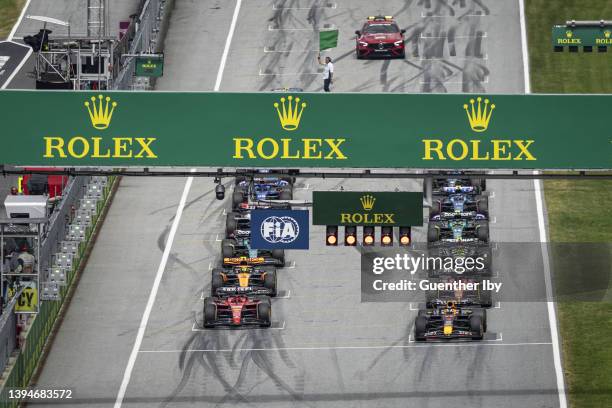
(237, 199)
(476, 326)
(420, 326)
(482, 231)
(280, 255)
(286, 195)
(270, 281)
(264, 313)
(210, 312)
(230, 223)
(486, 300)
(433, 234)
(216, 281)
(240, 179)
(483, 205)
(227, 248)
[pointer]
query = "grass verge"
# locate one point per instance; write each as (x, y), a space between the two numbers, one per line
(578, 211)
(9, 12)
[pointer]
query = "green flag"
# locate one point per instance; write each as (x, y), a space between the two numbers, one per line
(328, 39)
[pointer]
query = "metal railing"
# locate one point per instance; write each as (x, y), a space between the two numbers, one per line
(142, 37)
(8, 333)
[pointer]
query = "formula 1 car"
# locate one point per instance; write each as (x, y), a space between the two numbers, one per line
(237, 248)
(459, 206)
(459, 230)
(462, 298)
(261, 188)
(380, 37)
(244, 279)
(459, 182)
(448, 321)
(236, 311)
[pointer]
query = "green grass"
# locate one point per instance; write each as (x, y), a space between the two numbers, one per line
(564, 72)
(9, 12)
(578, 211)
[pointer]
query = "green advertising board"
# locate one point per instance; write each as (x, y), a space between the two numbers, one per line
(150, 66)
(305, 130)
(361, 208)
(581, 36)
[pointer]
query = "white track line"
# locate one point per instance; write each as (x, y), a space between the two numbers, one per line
(482, 343)
(179, 212)
(552, 313)
(228, 43)
(19, 20)
(18, 69)
(158, 277)
(11, 37)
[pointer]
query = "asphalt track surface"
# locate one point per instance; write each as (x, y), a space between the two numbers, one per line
(326, 348)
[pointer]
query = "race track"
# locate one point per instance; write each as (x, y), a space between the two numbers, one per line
(326, 348)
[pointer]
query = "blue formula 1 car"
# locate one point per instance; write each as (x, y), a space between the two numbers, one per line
(262, 188)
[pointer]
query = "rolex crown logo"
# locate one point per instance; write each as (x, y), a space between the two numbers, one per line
(290, 112)
(100, 111)
(479, 115)
(607, 33)
(367, 201)
(569, 34)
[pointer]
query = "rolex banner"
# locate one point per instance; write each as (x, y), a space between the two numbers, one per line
(121, 129)
(356, 208)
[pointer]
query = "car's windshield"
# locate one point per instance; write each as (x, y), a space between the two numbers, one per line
(385, 28)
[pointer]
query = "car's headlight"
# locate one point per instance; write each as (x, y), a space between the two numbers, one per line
(363, 44)
(398, 43)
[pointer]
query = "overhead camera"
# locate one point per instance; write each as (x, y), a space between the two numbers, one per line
(219, 189)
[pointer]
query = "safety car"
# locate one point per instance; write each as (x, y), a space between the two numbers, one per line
(380, 36)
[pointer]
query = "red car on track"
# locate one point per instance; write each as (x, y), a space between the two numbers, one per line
(380, 37)
(236, 311)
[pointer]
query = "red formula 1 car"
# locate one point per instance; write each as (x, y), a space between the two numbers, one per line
(380, 37)
(236, 311)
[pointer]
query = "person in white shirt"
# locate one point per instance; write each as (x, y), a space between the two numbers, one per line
(328, 72)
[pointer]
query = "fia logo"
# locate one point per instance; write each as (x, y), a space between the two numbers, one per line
(277, 230)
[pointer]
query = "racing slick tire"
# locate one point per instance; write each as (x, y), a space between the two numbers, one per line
(359, 57)
(270, 281)
(420, 326)
(227, 248)
(477, 326)
(286, 195)
(237, 199)
(433, 234)
(483, 205)
(210, 312)
(486, 301)
(264, 312)
(216, 281)
(482, 231)
(230, 224)
(290, 180)
(479, 182)
(240, 179)
(280, 255)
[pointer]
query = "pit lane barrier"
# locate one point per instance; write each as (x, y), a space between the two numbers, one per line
(26, 359)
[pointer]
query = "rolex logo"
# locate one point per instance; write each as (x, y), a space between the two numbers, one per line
(607, 33)
(479, 114)
(290, 112)
(367, 201)
(569, 34)
(100, 113)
